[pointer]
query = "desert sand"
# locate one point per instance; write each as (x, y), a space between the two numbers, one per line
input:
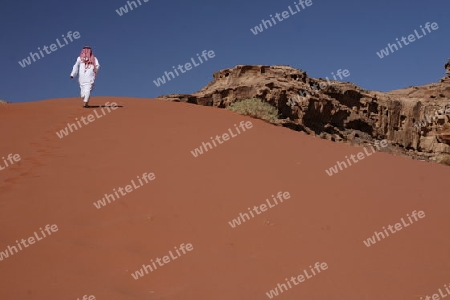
(191, 200)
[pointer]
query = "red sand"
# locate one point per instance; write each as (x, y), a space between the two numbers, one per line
(192, 200)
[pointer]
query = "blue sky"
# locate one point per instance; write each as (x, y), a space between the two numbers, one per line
(138, 47)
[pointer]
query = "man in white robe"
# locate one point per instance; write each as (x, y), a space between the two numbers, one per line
(86, 67)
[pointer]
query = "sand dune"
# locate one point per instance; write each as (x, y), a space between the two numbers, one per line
(192, 199)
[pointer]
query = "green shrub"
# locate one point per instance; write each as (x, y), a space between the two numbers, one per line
(445, 161)
(255, 108)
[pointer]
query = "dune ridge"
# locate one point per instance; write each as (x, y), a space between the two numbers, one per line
(95, 251)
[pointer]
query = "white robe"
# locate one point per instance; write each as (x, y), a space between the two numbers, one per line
(86, 77)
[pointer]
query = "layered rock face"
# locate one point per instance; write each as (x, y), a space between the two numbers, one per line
(415, 120)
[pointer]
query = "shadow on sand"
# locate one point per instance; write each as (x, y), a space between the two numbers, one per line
(100, 106)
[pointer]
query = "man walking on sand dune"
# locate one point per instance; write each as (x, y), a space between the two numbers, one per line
(86, 67)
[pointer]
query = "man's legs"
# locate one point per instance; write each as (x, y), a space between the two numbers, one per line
(86, 93)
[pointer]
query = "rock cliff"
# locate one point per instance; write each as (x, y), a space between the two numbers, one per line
(415, 120)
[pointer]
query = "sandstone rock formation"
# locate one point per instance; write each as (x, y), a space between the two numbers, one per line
(340, 111)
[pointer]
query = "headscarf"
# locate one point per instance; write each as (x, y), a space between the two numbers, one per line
(87, 56)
